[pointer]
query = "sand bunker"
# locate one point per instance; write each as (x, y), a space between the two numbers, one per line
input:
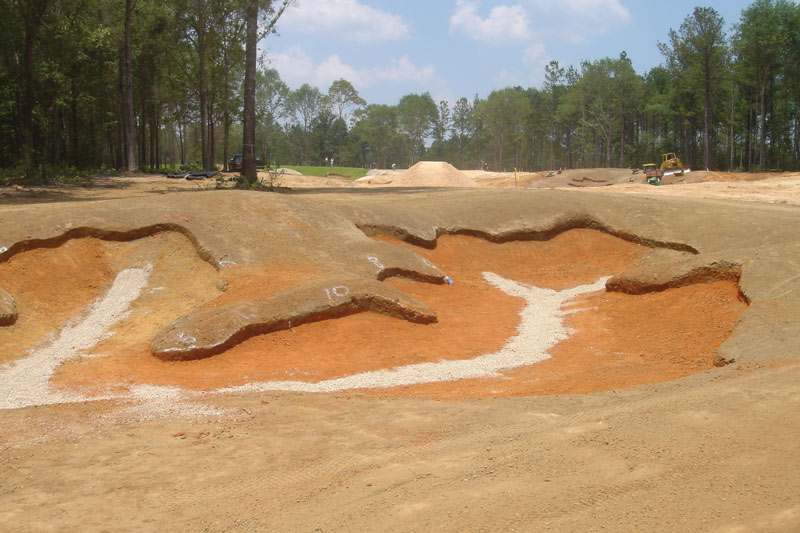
(494, 331)
(429, 174)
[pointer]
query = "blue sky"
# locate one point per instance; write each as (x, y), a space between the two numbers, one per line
(454, 48)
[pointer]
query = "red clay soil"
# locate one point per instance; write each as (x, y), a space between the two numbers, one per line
(621, 340)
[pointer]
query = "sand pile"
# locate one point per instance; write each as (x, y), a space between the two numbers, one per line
(287, 171)
(433, 174)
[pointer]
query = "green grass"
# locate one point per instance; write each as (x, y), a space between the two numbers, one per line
(347, 172)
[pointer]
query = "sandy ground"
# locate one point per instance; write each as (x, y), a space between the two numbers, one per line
(628, 422)
(773, 190)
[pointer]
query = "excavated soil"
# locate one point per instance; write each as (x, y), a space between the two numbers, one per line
(621, 340)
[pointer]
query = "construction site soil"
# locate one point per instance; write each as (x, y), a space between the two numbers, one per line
(548, 351)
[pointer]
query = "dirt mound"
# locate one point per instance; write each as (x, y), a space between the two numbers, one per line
(433, 174)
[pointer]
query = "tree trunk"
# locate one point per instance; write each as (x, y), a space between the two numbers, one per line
(796, 155)
(707, 113)
(201, 43)
(212, 142)
(130, 136)
(157, 123)
(226, 121)
(749, 136)
(33, 18)
(569, 145)
(622, 134)
(249, 134)
(226, 127)
(142, 131)
(182, 144)
(500, 155)
(733, 103)
(74, 123)
(762, 155)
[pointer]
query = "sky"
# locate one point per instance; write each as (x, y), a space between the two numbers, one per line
(455, 48)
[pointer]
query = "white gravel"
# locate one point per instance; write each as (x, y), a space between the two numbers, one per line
(27, 382)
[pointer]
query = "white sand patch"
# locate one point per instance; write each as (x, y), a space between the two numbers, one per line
(27, 382)
(541, 328)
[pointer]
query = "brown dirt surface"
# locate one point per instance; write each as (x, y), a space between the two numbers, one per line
(629, 425)
(780, 188)
(761, 188)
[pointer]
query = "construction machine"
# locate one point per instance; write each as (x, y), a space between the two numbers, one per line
(652, 174)
(670, 164)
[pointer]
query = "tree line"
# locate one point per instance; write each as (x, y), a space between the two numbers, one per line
(93, 84)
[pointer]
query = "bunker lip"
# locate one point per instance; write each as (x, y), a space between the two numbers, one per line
(641, 281)
(557, 228)
(541, 328)
(118, 235)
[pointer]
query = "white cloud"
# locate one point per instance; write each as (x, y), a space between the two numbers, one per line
(534, 54)
(296, 67)
(403, 70)
(333, 69)
(504, 23)
(348, 18)
(576, 20)
(293, 64)
(608, 10)
(571, 21)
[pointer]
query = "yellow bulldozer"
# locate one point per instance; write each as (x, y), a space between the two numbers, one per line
(670, 164)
